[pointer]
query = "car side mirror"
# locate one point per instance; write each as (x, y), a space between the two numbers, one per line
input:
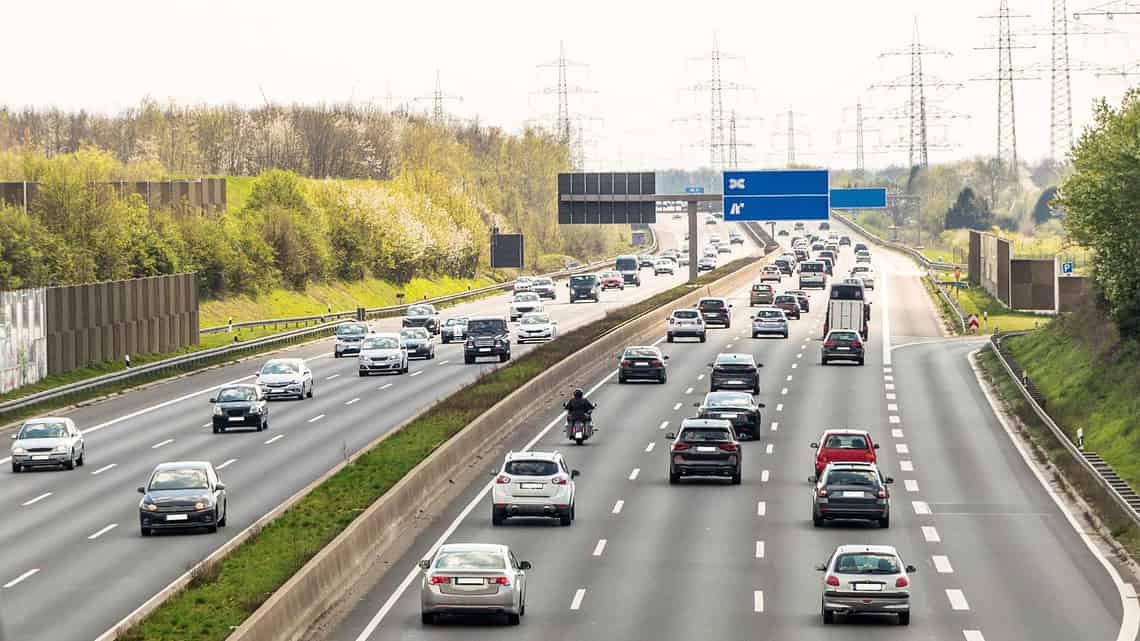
(256, 374)
(575, 474)
(876, 446)
(813, 479)
(911, 569)
(14, 436)
(696, 404)
(670, 436)
(815, 446)
(821, 567)
(666, 357)
(142, 490)
(220, 486)
(888, 480)
(525, 565)
(213, 400)
(425, 564)
(710, 364)
(761, 405)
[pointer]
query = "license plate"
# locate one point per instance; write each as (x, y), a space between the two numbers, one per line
(236, 418)
(40, 457)
(641, 364)
(729, 415)
(868, 587)
(531, 486)
(175, 517)
(466, 580)
(735, 382)
(843, 349)
(706, 449)
(484, 349)
(852, 495)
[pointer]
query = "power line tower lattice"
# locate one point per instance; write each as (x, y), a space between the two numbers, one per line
(1005, 76)
(437, 99)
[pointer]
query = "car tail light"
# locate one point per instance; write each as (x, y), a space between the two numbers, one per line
(833, 581)
(559, 480)
(503, 479)
(498, 580)
(856, 344)
(672, 320)
(901, 582)
(823, 492)
(829, 344)
(680, 447)
(436, 579)
(625, 362)
(730, 447)
(655, 363)
(870, 456)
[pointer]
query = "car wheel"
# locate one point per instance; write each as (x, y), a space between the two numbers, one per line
(445, 341)
(469, 360)
(756, 390)
(674, 478)
(816, 520)
(785, 334)
(823, 360)
(573, 512)
(828, 616)
(736, 479)
(361, 373)
(225, 515)
(885, 522)
(702, 338)
(145, 531)
(860, 362)
(70, 463)
(621, 380)
(310, 390)
(498, 515)
(668, 338)
(663, 379)
(513, 619)
(904, 618)
(564, 519)
(336, 354)
(213, 527)
(427, 618)
(81, 461)
(405, 369)
(502, 358)
(15, 468)
(261, 426)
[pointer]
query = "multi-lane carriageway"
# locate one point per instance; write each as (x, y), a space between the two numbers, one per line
(998, 558)
(73, 562)
(644, 560)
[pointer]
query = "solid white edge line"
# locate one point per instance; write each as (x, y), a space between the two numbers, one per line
(885, 304)
(226, 464)
(102, 531)
(1130, 622)
(600, 547)
(957, 599)
(973, 635)
(576, 602)
(16, 581)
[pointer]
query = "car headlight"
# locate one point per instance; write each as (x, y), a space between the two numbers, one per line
(150, 507)
(19, 450)
(200, 505)
(60, 449)
(217, 410)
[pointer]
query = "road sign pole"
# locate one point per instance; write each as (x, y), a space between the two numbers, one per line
(693, 258)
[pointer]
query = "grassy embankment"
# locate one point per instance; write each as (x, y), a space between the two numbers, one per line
(976, 300)
(222, 596)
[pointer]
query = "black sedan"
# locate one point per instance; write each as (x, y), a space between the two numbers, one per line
(735, 371)
(422, 315)
(418, 342)
(642, 363)
(851, 491)
(737, 408)
(183, 495)
(240, 406)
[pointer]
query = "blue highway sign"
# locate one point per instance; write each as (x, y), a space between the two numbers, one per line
(872, 198)
(784, 194)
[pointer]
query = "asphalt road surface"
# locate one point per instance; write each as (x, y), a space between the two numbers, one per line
(74, 563)
(644, 560)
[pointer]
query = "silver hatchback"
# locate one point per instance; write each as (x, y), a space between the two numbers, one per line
(865, 579)
(473, 578)
(48, 442)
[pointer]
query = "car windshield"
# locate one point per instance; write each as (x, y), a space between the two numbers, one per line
(351, 330)
(526, 298)
(420, 310)
(843, 336)
(485, 327)
(705, 435)
(581, 280)
(536, 320)
(852, 477)
(867, 563)
(531, 468)
(280, 367)
(712, 304)
(185, 479)
(761, 288)
(413, 333)
(469, 560)
(522, 281)
(232, 394)
(641, 352)
(770, 314)
(686, 314)
(43, 430)
(846, 442)
(543, 281)
(732, 399)
(626, 264)
(735, 359)
(380, 342)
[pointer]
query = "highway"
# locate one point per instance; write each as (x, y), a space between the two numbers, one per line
(74, 562)
(998, 558)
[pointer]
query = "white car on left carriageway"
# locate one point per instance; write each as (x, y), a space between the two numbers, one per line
(536, 326)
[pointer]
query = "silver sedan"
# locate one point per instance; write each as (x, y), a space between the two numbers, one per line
(473, 578)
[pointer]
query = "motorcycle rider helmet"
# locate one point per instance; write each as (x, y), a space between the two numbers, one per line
(578, 393)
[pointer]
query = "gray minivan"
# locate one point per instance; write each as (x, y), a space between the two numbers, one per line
(630, 269)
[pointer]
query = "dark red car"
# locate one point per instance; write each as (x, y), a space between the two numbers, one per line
(612, 280)
(790, 304)
(843, 446)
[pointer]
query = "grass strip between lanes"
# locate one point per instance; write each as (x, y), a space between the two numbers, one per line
(220, 597)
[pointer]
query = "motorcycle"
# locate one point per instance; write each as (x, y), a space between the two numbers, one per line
(579, 430)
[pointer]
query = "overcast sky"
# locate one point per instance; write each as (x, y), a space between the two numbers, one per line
(816, 57)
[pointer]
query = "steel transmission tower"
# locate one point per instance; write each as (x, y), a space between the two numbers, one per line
(719, 128)
(437, 99)
(564, 120)
(917, 110)
(1005, 76)
(860, 130)
(1110, 10)
(1061, 105)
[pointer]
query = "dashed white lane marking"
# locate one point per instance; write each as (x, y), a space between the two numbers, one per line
(800, 355)
(275, 439)
(384, 386)
(775, 426)
(618, 506)
(886, 370)
(896, 433)
(649, 448)
(890, 386)
(329, 378)
(729, 346)
(930, 534)
(902, 448)
(888, 377)
(106, 467)
(207, 424)
(600, 547)
(942, 564)
(957, 599)
(700, 377)
(892, 407)
(890, 397)
(764, 476)
(921, 508)
(677, 406)
(759, 549)
(16, 581)
(789, 378)
(911, 485)
(973, 635)
(36, 500)
(351, 401)
(761, 508)
(769, 448)
(576, 602)
(161, 443)
(758, 601)
(634, 473)
(894, 420)
(415, 373)
(442, 363)
(906, 466)
(226, 464)
(779, 407)
(806, 339)
(663, 425)
(316, 418)
(784, 392)
(102, 531)
(689, 390)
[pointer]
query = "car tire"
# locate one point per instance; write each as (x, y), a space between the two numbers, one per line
(823, 360)
(513, 619)
(702, 338)
(145, 531)
(503, 358)
(785, 334)
(668, 338)
(621, 380)
(225, 515)
(469, 360)
(860, 362)
(82, 460)
(664, 378)
(427, 618)
(736, 478)
(215, 429)
(904, 618)
(15, 468)
(406, 367)
(885, 522)
(361, 373)
(444, 340)
(564, 519)
(573, 512)
(828, 616)
(70, 463)
(674, 478)
(816, 520)
(498, 516)
(310, 390)
(756, 390)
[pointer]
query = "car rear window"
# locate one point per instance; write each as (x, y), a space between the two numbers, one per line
(233, 394)
(846, 442)
(734, 399)
(687, 314)
(705, 435)
(762, 288)
(581, 280)
(626, 264)
(866, 563)
(380, 342)
(469, 560)
(351, 330)
(531, 468)
(712, 304)
(843, 336)
(771, 313)
(421, 310)
(734, 359)
(641, 352)
(852, 477)
(811, 267)
(784, 298)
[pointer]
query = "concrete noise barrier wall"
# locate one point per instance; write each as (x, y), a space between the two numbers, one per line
(104, 321)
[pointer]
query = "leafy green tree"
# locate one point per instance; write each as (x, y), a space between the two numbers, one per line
(1043, 210)
(1101, 202)
(968, 211)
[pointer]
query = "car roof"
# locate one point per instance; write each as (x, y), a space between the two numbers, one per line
(534, 455)
(386, 334)
(290, 359)
(181, 465)
(856, 548)
(652, 347)
(487, 317)
(706, 422)
(536, 315)
(713, 397)
(717, 298)
(47, 419)
(472, 547)
(233, 385)
(838, 431)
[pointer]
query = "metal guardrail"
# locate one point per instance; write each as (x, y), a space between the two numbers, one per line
(1121, 493)
(949, 301)
(914, 253)
(195, 360)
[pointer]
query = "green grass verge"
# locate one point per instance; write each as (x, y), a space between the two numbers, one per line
(1046, 446)
(221, 597)
(976, 300)
(948, 314)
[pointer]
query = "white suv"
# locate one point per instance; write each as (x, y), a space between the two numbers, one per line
(533, 484)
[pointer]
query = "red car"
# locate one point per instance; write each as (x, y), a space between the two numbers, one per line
(790, 304)
(843, 446)
(612, 280)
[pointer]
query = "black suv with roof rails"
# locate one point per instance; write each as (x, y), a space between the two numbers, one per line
(735, 371)
(487, 336)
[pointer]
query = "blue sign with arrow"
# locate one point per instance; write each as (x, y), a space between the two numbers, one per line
(771, 195)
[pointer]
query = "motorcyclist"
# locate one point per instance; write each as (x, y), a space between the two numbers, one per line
(578, 409)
